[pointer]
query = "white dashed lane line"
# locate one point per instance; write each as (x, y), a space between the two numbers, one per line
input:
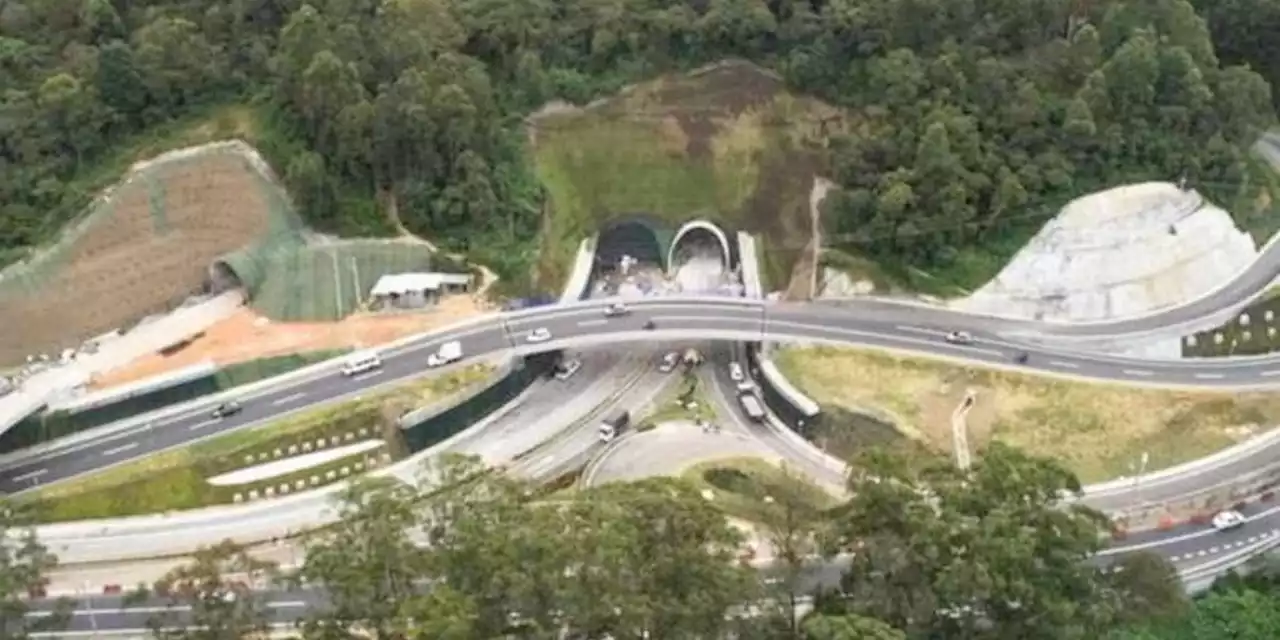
(1210, 376)
(1064, 365)
(1137, 372)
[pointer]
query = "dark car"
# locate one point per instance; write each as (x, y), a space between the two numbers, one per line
(227, 409)
(1021, 358)
(649, 325)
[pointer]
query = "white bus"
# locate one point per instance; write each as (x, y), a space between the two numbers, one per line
(361, 362)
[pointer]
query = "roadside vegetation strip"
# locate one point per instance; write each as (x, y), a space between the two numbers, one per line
(745, 488)
(176, 479)
(688, 401)
(1099, 431)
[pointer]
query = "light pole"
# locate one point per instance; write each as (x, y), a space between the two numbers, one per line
(1137, 478)
(88, 604)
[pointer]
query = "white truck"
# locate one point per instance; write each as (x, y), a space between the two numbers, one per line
(751, 405)
(448, 352)
(610, 428)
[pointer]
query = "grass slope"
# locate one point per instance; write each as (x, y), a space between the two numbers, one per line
(726, 143)
(1097, 430)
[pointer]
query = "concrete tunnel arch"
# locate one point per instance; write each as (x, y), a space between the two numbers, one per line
(726, 252)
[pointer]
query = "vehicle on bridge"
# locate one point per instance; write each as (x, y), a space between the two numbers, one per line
(610, 428)
(541, 334)
(615, 310)
(959, 337)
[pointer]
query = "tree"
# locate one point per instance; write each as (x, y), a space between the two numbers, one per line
(24, 563)
(796, 529)
(1149, 587)
(987, 553)
(367, 563)
(848, 627)
(218, 593)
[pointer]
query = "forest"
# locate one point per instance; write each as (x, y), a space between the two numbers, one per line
(975, 119)
(930, 552)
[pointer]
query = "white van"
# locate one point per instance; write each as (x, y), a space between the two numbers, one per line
(360, 363)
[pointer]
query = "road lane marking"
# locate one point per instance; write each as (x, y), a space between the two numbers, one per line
(592, 323)
(290, 398)
(1137, 372)
(1210, 376)
(889, 337)
(30, 476)
(201, 425)
(365, 376)
(1268, 374)
(120, 449)
(921, 330)
(1067, 365)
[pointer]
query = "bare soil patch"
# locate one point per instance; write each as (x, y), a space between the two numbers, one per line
(248, 336)
(148, 248)
(1096, 429)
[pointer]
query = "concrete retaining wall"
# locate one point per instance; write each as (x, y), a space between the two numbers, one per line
(749, 262)
(580, 277)
(432, 425)
(135, 389)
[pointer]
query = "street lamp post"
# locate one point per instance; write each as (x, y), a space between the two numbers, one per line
(88, 605)
(1137, 478)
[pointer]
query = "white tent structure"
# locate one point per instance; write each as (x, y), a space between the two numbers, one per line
(417, 289)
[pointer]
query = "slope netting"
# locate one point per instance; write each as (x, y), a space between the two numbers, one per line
(143, 247)
(321, 282)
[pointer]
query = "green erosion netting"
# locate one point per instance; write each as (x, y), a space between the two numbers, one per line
(293, 281)
(142, 249)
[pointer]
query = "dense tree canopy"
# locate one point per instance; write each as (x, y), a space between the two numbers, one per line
(974, 117)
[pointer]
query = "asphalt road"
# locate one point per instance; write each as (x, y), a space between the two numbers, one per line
(103, 614)
(704, 319)
(585, 324)
(547, 408)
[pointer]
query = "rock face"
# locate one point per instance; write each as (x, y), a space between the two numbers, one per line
(1119, 253)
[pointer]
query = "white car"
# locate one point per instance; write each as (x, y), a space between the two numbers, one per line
(566, 369)
(735, 372)
(538, 335)
(959, 337)
(1227, 520)
(616, 309)
(668, 363)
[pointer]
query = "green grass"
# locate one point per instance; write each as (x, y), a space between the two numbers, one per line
(674, 405)
(739, 486)
(1097, 430)
(728, 145)
(175, 479)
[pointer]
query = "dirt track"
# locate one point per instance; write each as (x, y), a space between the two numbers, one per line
(246, 336)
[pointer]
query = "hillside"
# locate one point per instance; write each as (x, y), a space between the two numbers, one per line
(142, 248)
(728, 143)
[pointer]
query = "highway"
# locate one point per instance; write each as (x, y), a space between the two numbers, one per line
(677, 319)
(100, 615)
(574, 326)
